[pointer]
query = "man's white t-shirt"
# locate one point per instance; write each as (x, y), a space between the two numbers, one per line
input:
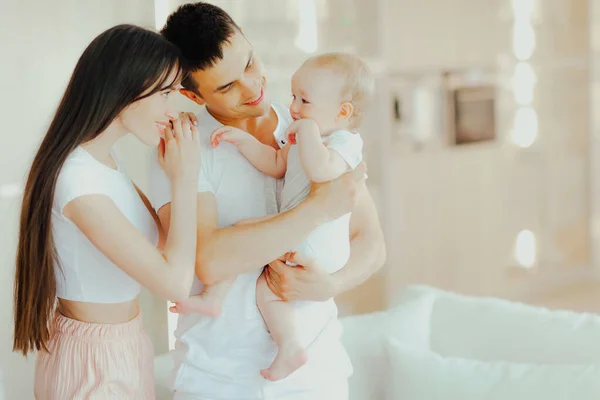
(220, 358)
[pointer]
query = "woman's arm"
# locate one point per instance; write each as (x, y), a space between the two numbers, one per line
(168, 274)
(162, 234)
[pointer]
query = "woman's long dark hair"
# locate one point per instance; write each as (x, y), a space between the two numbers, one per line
(122, 65)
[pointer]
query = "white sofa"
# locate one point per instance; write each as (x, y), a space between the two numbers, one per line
(437, 345)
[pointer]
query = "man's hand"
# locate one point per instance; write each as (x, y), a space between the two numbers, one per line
(338, 197)
(306, 281)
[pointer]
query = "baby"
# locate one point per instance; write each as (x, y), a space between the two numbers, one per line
(330, 96)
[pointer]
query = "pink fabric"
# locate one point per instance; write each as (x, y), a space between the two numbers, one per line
(96, 361)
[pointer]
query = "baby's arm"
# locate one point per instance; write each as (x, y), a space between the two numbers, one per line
(319, 163)
(264, 158)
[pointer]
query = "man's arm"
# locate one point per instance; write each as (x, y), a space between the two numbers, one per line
(367, 255)
(367, 245)
(223, 253)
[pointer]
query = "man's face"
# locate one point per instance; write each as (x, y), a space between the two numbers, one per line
(235, 87)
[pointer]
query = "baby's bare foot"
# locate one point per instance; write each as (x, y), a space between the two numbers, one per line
(289, 358)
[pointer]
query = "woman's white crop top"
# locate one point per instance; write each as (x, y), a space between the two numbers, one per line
(86, 274)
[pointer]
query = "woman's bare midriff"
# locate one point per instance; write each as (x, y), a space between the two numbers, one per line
(99, 313)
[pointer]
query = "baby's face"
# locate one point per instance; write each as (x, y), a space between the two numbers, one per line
(317, 95)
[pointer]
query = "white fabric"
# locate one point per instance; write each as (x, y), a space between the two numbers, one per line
(347, 144)
(329, 244)
(86, 274)
(332, 391)
(220, 358)
(365, 336)
(421, 374)
(297, 185)
(474, 337)
(465, 327)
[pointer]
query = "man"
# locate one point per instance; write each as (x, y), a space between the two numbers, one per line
(220, 358)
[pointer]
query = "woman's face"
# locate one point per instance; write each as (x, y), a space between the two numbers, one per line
(148, 117)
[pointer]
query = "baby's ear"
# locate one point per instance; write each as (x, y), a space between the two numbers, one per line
(346, 110)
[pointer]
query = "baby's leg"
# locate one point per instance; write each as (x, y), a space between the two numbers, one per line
(209, 302)
(254, 220)
(280, 318)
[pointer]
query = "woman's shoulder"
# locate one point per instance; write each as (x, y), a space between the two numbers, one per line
(82, 174)
(81, 165)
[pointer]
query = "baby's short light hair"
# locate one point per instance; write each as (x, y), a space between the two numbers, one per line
(359, 82)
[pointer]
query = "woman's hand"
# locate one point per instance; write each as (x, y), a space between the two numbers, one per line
(179, 150)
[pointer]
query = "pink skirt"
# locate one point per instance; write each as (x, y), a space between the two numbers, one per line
(96, 361)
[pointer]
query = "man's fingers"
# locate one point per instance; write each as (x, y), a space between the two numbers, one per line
(278, 267)
(270, 278)
(300, 259)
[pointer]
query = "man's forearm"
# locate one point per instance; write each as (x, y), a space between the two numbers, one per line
(366, 257)
(228, 252)
(367, 246)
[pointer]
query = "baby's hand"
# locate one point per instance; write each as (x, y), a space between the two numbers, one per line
(229, 134)
(299, 126)
(291, 138)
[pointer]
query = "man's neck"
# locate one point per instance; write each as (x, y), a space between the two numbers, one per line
(262, 128)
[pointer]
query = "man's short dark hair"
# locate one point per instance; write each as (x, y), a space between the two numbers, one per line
(200, 30)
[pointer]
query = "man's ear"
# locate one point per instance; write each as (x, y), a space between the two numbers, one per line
(193, 96)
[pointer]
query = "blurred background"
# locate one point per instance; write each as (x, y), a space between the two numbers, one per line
(482, 144)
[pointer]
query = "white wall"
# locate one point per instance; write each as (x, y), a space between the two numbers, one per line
(40, 42)
(429, 34)
(457, 211)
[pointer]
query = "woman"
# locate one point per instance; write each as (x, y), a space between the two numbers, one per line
(89, 237)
